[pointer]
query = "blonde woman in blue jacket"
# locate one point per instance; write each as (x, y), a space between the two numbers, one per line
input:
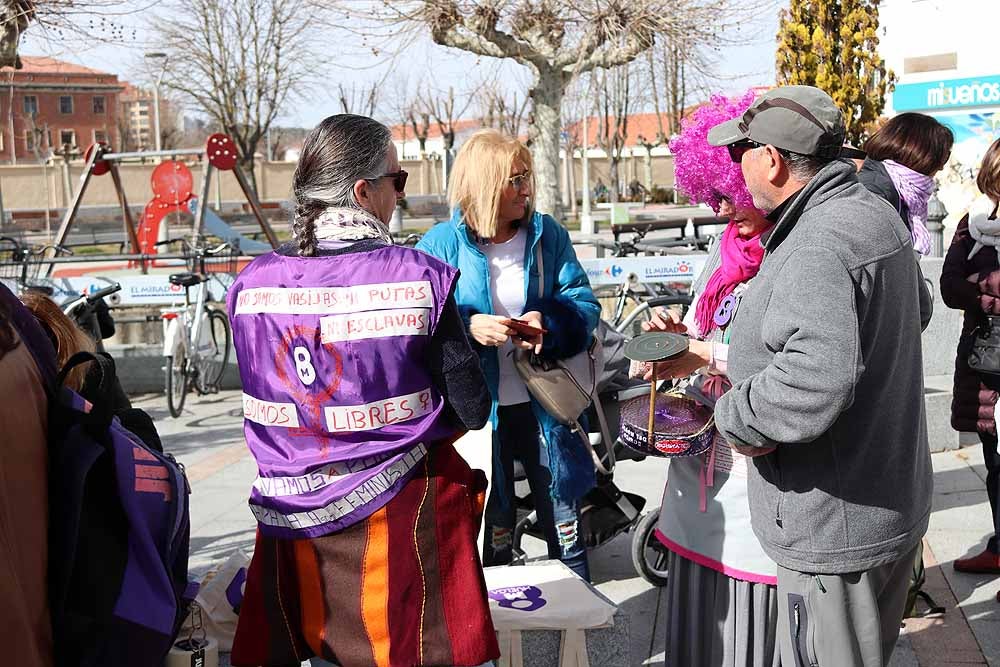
(496, 240)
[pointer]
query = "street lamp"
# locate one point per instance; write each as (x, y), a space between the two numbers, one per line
(162, 57)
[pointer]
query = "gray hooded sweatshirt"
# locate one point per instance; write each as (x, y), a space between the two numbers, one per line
(826, 366)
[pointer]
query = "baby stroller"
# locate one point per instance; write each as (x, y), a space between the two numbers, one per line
(606, 510)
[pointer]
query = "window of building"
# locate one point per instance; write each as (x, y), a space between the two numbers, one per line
(67, 137)
(98, 103)
(100, 137)
(144, 111)
(65, 104)
(30, 105)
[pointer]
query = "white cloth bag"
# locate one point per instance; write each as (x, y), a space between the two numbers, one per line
(219, 596)
(544, 597)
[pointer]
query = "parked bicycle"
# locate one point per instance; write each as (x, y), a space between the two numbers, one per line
(635, 301)
(92, 315)
(21, 262)
(197, 339)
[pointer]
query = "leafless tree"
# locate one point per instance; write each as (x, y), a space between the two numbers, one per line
(240, 61)
(420, 122)
(62, 19)
(126, 140)
(362, 100)
(446, 109)
(502, 110)
(577, 103)
(555, 39)
(614, 101)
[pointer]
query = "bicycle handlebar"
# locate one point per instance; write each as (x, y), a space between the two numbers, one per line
(101, 293)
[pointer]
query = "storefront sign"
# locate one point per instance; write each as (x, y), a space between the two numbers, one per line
(950, 94)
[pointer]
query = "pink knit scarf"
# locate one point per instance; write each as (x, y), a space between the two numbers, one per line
(741, 258)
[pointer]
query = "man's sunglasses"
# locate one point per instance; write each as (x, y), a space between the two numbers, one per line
(737, 150)
(398, 179)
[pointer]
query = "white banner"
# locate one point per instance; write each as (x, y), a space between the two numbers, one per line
(330, 300)
(375, 324)
(654, 269)
(368, 417)
(267, 413)
(137, 290)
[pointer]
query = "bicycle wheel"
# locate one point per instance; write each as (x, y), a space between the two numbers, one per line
(215, 352)
(644, 308)
(649, 557)
(177, 381)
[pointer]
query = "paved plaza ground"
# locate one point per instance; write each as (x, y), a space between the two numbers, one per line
(208, 440)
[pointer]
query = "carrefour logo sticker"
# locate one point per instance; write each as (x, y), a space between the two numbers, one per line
(649, 269)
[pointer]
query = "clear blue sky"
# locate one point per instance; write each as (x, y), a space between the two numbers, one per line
(115, 43)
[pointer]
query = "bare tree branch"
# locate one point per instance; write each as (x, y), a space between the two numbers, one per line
(556, 39)
(239, 61)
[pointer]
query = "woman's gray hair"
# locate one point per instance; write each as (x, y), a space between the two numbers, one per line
(339, 152)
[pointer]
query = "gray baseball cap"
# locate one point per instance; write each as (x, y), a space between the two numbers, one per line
(800, 119)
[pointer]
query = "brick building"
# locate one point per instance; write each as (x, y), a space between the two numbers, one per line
(136, 122)
(55, 104)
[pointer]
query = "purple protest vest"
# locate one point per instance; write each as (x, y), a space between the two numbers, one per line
(338, 406)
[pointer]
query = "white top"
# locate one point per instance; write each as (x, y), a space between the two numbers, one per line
(506, 262)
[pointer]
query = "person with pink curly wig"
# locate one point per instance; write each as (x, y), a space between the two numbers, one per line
(721, 590)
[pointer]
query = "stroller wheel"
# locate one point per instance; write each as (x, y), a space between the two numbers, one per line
(649, 557)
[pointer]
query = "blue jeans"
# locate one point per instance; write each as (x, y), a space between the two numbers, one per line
(519, 438)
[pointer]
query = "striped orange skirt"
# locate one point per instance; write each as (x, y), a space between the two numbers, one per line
(403, 588)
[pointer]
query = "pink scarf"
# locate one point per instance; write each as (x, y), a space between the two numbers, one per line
(741, 258)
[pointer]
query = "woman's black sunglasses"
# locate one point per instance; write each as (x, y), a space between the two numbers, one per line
(398, 179)
(737, 150)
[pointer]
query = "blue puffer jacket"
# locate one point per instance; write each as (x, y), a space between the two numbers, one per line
(570, 314)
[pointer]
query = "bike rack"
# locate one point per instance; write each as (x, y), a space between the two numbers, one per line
(219, 152)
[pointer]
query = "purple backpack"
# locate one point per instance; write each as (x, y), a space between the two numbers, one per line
(118, 534)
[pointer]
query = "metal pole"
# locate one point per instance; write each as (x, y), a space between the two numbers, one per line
(3, 213)
(936, 213)
(199, 216)
(148, 154)
(71, 210)
(133, 236)
(586, 221)
(156, 115)
(10, 118)
(272, 238)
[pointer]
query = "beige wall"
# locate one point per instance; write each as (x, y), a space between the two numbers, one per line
(23, 185)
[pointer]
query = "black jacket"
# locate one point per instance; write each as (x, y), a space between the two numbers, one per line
(875, 177)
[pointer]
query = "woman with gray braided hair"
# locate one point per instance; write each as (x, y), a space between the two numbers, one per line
(357, 379)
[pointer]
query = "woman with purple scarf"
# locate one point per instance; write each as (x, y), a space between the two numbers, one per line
(903, 156)
(721, 597)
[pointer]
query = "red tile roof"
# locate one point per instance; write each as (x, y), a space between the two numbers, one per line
(398, 133)
(47, 65)
(643, 125)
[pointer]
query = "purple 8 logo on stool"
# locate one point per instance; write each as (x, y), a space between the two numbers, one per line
(514, 597)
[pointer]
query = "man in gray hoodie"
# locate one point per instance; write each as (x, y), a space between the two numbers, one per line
(825, 361)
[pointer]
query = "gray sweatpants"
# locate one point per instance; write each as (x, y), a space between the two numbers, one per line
(842, 620)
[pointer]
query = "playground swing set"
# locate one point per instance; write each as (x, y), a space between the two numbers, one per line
(173, 192)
